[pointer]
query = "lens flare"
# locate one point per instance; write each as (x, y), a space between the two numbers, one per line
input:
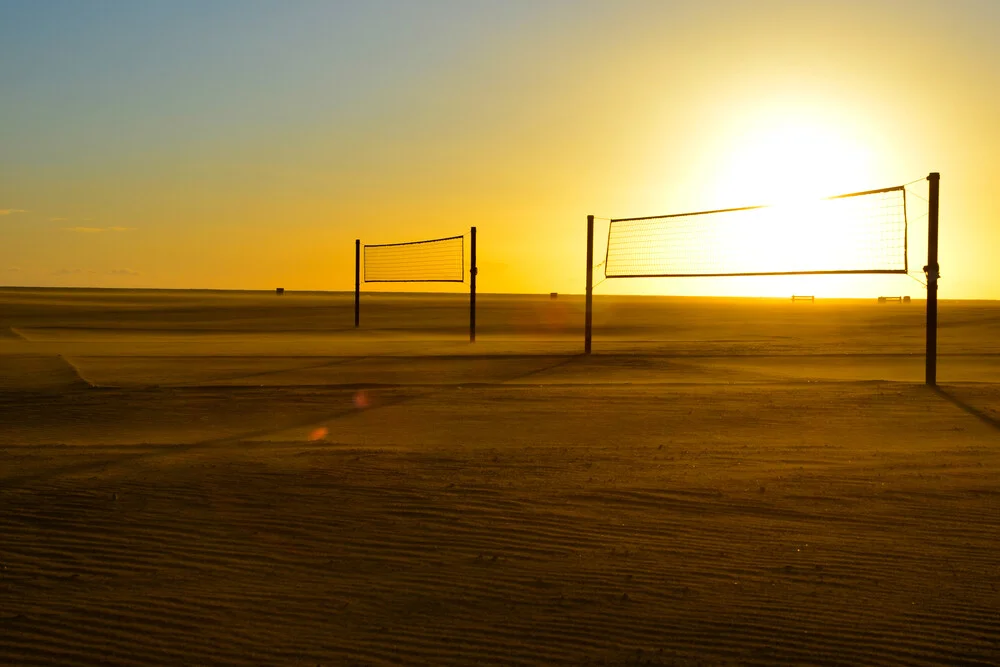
(318, 433)
(361, 399)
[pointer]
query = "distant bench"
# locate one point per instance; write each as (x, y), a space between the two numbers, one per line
(803, 297)
(901, 299)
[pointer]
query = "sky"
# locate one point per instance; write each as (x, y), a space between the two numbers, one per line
(242, 144)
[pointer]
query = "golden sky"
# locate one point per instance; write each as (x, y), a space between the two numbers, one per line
(245, 145)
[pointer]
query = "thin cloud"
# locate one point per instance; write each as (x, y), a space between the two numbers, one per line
(13, 269)
(58, 219)
(67, 272)
(124, 272)
(11, 211)
(97, 230)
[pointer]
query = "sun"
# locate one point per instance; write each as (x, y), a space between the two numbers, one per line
(781, 159)
(790, 161)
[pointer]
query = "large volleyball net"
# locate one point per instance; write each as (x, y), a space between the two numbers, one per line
(862, 232)
(440, 260)
(857, 233)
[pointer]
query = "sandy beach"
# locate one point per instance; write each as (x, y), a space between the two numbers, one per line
(240, 479)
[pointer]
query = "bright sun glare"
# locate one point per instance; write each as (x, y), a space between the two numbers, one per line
(792, 161)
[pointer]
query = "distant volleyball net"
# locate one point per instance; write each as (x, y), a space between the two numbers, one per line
(863, 232)
(434, 260)
(440, 260)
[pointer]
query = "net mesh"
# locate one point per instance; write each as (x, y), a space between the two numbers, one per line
(858, 233)
(434, 260)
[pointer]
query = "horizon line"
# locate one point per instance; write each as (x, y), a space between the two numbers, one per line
(459, 294)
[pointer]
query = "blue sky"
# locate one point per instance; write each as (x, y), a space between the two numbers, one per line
(240, 144)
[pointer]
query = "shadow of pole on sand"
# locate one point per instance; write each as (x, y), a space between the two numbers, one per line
(975, 412)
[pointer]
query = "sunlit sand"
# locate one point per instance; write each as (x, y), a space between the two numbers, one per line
(238, 478)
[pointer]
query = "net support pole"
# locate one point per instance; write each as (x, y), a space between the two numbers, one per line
(932, 270)
(473, 272)
(357, 283)
(589, 314)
